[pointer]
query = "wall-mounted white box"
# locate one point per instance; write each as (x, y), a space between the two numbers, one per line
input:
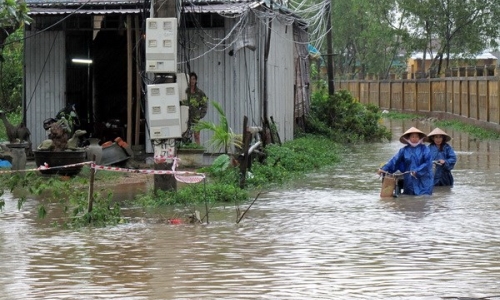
(161, 45)
(164, 111)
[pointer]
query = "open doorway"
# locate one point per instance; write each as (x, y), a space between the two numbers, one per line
(79, 69)
(98, 87)
(110, 84)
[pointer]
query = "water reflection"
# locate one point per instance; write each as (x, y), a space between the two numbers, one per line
(412, 207)
(329, 237)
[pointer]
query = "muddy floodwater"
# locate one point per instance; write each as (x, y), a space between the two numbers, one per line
(329, 236)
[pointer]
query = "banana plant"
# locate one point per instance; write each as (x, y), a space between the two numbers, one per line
(223, 138)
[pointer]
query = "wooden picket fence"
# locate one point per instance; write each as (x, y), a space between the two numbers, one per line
(474, 98)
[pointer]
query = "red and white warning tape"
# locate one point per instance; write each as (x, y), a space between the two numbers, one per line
(45, 166)
(183, 176)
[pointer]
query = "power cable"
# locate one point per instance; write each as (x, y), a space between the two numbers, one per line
(48, 27)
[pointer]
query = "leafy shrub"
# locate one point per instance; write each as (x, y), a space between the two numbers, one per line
(222, 171)
(193, 194)
(282, 163)
(343, 118)
(293, 158)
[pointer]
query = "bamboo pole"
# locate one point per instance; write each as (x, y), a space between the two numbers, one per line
(129, 78)
(137, 84)
(206, 201)
(248, 208)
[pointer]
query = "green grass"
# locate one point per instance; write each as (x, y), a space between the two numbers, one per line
(393, 115)
(475, 131)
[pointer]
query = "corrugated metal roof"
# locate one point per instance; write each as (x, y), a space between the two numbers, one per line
(485, 55)
(198, 2)
(89, 7)
(59, 7)
(65, 11)
(32, 3)
(226, 8)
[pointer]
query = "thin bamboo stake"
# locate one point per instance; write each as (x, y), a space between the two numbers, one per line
(91, 187)
(206, 204)
(248, 208)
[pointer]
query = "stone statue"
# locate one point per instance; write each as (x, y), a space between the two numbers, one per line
(59, 137)
(73, 141)
(15, 134)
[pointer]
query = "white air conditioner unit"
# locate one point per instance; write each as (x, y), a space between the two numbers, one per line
(164, 111)
(161, 45)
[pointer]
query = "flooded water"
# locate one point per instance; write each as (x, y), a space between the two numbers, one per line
(329, 237)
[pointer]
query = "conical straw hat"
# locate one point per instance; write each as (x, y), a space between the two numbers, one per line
(405, 135)
(438, 131)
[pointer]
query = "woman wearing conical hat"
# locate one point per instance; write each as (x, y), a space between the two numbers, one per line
(443, 156)
(414, 158)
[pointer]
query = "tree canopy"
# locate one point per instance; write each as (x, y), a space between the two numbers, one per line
(13, 14)
(447, 27)
(373, 36)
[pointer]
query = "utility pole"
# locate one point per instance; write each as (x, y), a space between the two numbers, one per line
(329, 41)
(164, 146)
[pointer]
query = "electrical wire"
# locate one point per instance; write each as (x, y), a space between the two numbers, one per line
(216, 42)
(48, 27)
(304, 14)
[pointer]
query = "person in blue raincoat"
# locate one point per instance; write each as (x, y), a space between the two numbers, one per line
(414, 158)
(443, 156)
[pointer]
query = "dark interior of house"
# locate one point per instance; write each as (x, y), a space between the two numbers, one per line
(109, 50)
(99, 89)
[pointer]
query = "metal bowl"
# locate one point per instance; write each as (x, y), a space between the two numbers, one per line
(113, 154)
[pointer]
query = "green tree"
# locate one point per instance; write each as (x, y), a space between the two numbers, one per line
(367, 35)
(13, 14)
(449, 27)
(11, 73)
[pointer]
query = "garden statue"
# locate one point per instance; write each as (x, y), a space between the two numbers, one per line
(15, 134)
(58, 151)
(19, 138)
(73, 141)
(58, 136)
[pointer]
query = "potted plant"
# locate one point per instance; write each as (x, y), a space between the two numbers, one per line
(60, 150)
(190, 154)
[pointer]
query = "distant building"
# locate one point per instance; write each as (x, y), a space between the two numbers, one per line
(415, 62)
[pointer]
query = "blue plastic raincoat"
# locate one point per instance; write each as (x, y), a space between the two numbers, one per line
(442, 173)
(414, 159)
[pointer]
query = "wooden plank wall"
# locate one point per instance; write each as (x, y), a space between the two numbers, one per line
(449, 96)
(464, 98)
(482, 100)
(475, 98)
(493, 105)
